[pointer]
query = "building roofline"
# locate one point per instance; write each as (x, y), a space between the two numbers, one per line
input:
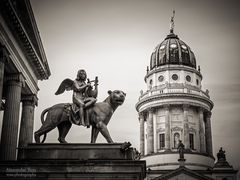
(37, 61)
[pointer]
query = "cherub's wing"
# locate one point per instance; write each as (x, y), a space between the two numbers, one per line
(67, 84)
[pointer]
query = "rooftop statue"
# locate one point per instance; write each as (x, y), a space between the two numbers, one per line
(181, 149)
(83, 111)
(221, 155)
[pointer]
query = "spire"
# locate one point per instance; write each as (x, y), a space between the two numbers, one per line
(172, 22)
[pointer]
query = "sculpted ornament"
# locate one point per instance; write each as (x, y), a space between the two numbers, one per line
(181, 149)
(83, 111)
(221, 155)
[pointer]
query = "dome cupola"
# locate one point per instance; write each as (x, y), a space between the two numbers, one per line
(172, 51)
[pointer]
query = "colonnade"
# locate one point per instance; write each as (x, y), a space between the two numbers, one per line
(13, 85)
(205, 134)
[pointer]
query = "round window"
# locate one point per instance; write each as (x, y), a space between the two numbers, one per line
(188, 78)
(175, 77)
(161, 78)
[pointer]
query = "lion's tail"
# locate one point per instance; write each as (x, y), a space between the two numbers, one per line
(42, 120)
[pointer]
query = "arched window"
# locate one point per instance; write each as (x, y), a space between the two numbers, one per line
(185, 54)
(176, 139)
(162, 54)
(161, 141)
(191, 141)
(153, 60)
(173, 53)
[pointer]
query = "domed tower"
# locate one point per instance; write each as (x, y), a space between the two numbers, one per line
(174, 107)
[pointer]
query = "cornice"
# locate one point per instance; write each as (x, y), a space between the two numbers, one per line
(18, 59)
(38, 63)
(172, 152)
(172, 96)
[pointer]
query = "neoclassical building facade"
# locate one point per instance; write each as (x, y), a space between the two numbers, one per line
(22, 63)
(174, 107)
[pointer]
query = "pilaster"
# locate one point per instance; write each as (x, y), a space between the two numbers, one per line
(15, 82)
(150, 140)
(186, 126)
(167, 127)
(142, 135)
(208, 131)
(201, 131)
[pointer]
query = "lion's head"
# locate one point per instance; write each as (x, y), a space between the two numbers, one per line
(117, 97)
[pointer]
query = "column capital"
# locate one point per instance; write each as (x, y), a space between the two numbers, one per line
(186, 107)
(151, 110)
(201, 109)
(4, 54)
(166, 107)
(141, 115)
(209, 114)
(16, 78)
(30, 99)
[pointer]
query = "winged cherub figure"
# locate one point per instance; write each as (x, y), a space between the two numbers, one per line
(83, 95)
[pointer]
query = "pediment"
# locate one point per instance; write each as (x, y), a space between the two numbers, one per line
(183, 173)
(176, 128)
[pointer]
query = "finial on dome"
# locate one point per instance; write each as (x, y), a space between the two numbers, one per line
(172, 22)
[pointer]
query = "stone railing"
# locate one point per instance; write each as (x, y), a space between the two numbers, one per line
(174, 88)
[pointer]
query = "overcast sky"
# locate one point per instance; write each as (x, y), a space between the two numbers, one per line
(114, 39)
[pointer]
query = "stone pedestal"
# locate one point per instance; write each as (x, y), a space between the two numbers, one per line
(181, 162)
(74, 161)
(73, 151)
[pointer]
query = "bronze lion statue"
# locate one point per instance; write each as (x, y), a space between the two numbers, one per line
(99, 116)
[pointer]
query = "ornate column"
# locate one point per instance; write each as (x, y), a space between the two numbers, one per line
(142, 142)
(27, 120)
(3, 59)
(167, 127)
(208, 131)
(186, 126)
(11, 117)
(150, 140)
(201, 131)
